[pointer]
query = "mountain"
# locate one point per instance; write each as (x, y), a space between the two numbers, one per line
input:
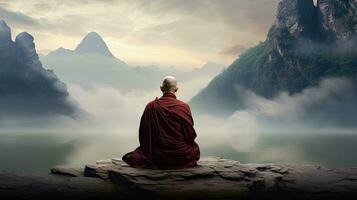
(26, 88)
(61, 52)
(306, 44)
(93, 43)
(92, 57)
(91, 64)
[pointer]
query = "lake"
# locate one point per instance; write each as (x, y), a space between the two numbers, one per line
(27, 153)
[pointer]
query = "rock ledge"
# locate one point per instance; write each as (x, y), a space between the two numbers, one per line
(218, 178)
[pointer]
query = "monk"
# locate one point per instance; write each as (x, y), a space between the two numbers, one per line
(166, 133)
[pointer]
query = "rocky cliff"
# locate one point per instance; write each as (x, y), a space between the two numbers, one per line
(306, 44)
(213, 178)
(26, 88)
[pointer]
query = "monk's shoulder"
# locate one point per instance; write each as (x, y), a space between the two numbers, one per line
(151, 104)
(183, 104)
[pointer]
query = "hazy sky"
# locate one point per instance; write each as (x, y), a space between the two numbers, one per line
(185, 33)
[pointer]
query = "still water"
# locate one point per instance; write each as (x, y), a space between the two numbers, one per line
(31, 153)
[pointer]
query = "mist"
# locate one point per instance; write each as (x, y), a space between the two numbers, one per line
(268, 130)
(325, 109)
(326, 106)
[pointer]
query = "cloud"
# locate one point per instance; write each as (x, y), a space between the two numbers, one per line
(17, 18)
(331, 104)
(327, 108)
(220, 18)
(238, 14)
(139, 30)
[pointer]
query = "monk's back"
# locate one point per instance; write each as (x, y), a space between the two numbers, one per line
(166, 133)
(171, 122)
(174, 138)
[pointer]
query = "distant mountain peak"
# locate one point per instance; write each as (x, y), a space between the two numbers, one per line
(93, 43)
(61, 52)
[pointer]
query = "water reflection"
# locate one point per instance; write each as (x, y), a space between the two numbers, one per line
(327, 150)
(31, 153)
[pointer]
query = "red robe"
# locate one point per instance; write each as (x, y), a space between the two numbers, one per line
(166, 136)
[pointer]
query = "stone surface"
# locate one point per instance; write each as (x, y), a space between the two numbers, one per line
(218, 178)
(49, 186)
(66, 170)
(213, 178)
(296, 15)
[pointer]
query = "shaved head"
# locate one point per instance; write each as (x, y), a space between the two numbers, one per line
(169, 84)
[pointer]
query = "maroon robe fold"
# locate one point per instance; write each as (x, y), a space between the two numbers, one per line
(166, 136)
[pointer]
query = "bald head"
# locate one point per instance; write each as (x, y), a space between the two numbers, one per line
(169, 84)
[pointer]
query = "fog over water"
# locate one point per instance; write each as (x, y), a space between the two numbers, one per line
(314, 127)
